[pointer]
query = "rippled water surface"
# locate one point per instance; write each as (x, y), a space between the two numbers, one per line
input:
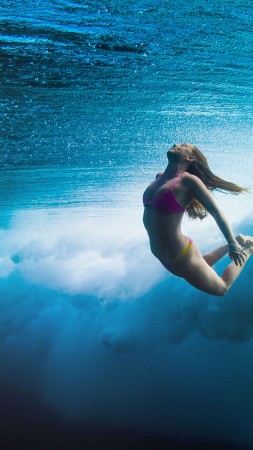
(106, 83)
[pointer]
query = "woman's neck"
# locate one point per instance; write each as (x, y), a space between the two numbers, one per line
(173, 170)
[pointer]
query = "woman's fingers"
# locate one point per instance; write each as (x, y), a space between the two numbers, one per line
(241, 258)
(238, 258)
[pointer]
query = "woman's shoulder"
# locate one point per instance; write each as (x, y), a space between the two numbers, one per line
(192, 181)
(189, 177)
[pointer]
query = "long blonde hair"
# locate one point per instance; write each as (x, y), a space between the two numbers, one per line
(201, 169)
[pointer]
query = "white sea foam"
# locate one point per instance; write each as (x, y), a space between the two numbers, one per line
(81, 255)
(107, 257)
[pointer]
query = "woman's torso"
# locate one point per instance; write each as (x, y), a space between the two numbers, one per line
(165, 200)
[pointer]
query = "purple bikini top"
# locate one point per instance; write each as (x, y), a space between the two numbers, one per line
(165, 202)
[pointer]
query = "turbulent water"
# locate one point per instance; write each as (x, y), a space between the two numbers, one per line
(95, 334)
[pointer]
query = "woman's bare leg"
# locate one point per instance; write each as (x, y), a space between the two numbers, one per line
(213, 257)
(199, 274)
(232, 271)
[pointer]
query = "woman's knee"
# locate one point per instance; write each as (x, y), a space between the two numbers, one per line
(223, 289)
(219, 288)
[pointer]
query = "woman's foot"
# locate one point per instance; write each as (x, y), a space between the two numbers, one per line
(245, 241)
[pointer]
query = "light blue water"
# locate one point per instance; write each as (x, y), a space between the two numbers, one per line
(93, 328)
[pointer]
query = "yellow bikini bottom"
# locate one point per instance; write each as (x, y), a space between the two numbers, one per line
(179, 257)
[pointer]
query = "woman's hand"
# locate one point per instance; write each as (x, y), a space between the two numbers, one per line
(236, 253)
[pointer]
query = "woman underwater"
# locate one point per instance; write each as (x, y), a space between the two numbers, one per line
(185, 186)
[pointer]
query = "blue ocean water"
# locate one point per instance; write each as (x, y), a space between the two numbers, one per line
(97, 339)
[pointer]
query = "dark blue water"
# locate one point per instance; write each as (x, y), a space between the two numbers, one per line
(98, 341)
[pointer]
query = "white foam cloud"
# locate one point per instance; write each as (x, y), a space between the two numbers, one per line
(108, 258)
(85, 258)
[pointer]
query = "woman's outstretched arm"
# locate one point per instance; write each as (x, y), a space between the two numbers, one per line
(202, 194)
